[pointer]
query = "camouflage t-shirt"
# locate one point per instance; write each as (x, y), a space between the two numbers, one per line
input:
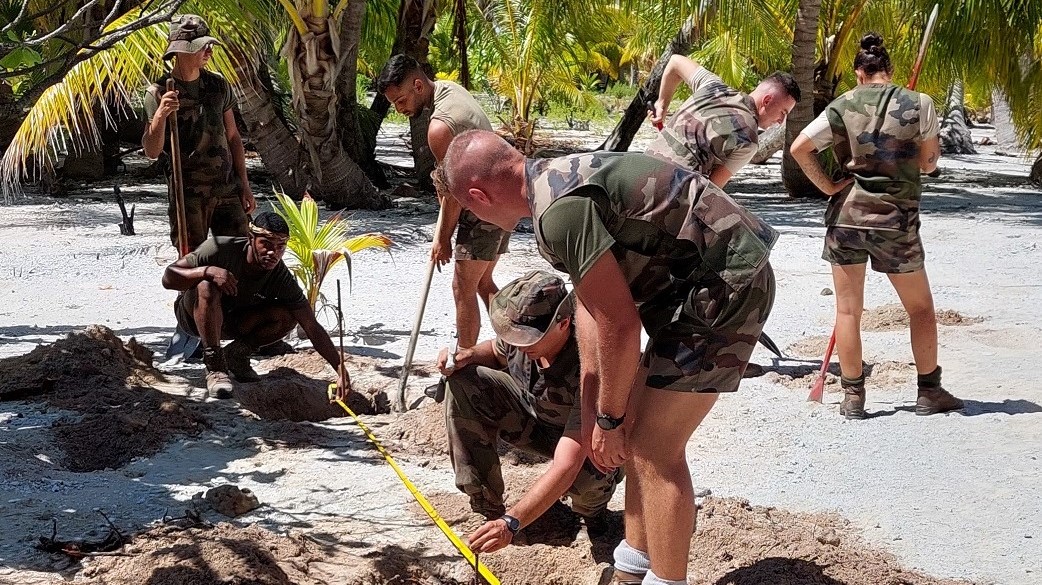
(875, 131)
(662, 223)
(254, 288)
(206, 159)
(551, 393)
(716, 126)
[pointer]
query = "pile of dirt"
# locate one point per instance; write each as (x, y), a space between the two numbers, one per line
(420, 431)
(70, 367)
(812, 347)
(894, 318)
(735, 544)
(885, 375)
(94, 373)
(295, 387)
(223, 554)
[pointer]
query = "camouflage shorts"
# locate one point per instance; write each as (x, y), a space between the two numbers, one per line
(224, 216)
(484, 406)
(891, 251)
(479, 240)
(702, 337)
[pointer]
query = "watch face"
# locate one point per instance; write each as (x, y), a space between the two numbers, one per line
(513, 524)
(608, 423)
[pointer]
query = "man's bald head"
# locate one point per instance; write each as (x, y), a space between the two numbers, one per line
(481, 170)
(473, 158)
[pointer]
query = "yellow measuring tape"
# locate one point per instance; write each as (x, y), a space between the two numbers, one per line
(426, 505)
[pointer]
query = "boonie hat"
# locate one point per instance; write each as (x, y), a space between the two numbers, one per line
(523, 310)
(188, 34)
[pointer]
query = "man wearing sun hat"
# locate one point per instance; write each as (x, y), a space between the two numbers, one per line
(522, 388)
(213, 163)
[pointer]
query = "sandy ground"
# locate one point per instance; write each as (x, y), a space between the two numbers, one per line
(951, 496)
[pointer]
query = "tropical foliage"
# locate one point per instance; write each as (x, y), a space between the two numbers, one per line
(317, 247)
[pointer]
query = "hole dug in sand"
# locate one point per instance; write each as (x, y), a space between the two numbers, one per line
(295, 389)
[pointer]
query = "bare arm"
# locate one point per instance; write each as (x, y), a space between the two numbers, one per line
(180, 276)
(438, 138)
(720, 176)
(324, 346)
(231, 132)
(804, 152)
(568, 460)
(609, 345)
(678, 70)
(929, 154)
(155, 130)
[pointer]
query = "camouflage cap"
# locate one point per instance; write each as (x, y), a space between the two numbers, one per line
(523, 310)
(188, 34)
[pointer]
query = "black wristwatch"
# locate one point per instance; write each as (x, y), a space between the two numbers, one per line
(513, 524)
(609, 423)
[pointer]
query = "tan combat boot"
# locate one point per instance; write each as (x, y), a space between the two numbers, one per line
(237, 355)
(853, 405)
(933, 399)
(218, 383)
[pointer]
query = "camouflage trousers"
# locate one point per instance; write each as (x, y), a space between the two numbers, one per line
(701, 338)
(479, 240)
(483, 405)
(224, 216)
(891, 251)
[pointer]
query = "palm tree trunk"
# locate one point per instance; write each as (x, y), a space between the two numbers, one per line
(11, 115)
(358, 138)
(622, 135)
(1036, 171)
(1001, 117)
(804, 43)
(279, 149)
(955, 136)
(313, 67)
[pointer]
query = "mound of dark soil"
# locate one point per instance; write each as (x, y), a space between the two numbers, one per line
(94, 373)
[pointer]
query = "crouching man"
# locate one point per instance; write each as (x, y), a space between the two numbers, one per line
(522, 388)
(238, 288)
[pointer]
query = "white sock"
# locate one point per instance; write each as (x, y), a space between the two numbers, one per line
(631, 560)
(653, 579)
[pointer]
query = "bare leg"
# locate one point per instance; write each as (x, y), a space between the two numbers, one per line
(913, 289)
(207, 314)
(486, 286)
(658, 439)
(849, 281)
(465, 281)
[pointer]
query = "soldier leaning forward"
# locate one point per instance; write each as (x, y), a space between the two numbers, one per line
(644, 241)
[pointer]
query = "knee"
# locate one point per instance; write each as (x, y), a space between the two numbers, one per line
(463, 288)
(208, 291)
(487, 287)
(921, 313)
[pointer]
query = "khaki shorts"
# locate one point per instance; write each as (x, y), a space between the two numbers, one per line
(891, 251)
(479, 240)
(702, 337)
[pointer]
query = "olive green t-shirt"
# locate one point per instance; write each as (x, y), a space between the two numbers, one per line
(454, 106)
(275, 286)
